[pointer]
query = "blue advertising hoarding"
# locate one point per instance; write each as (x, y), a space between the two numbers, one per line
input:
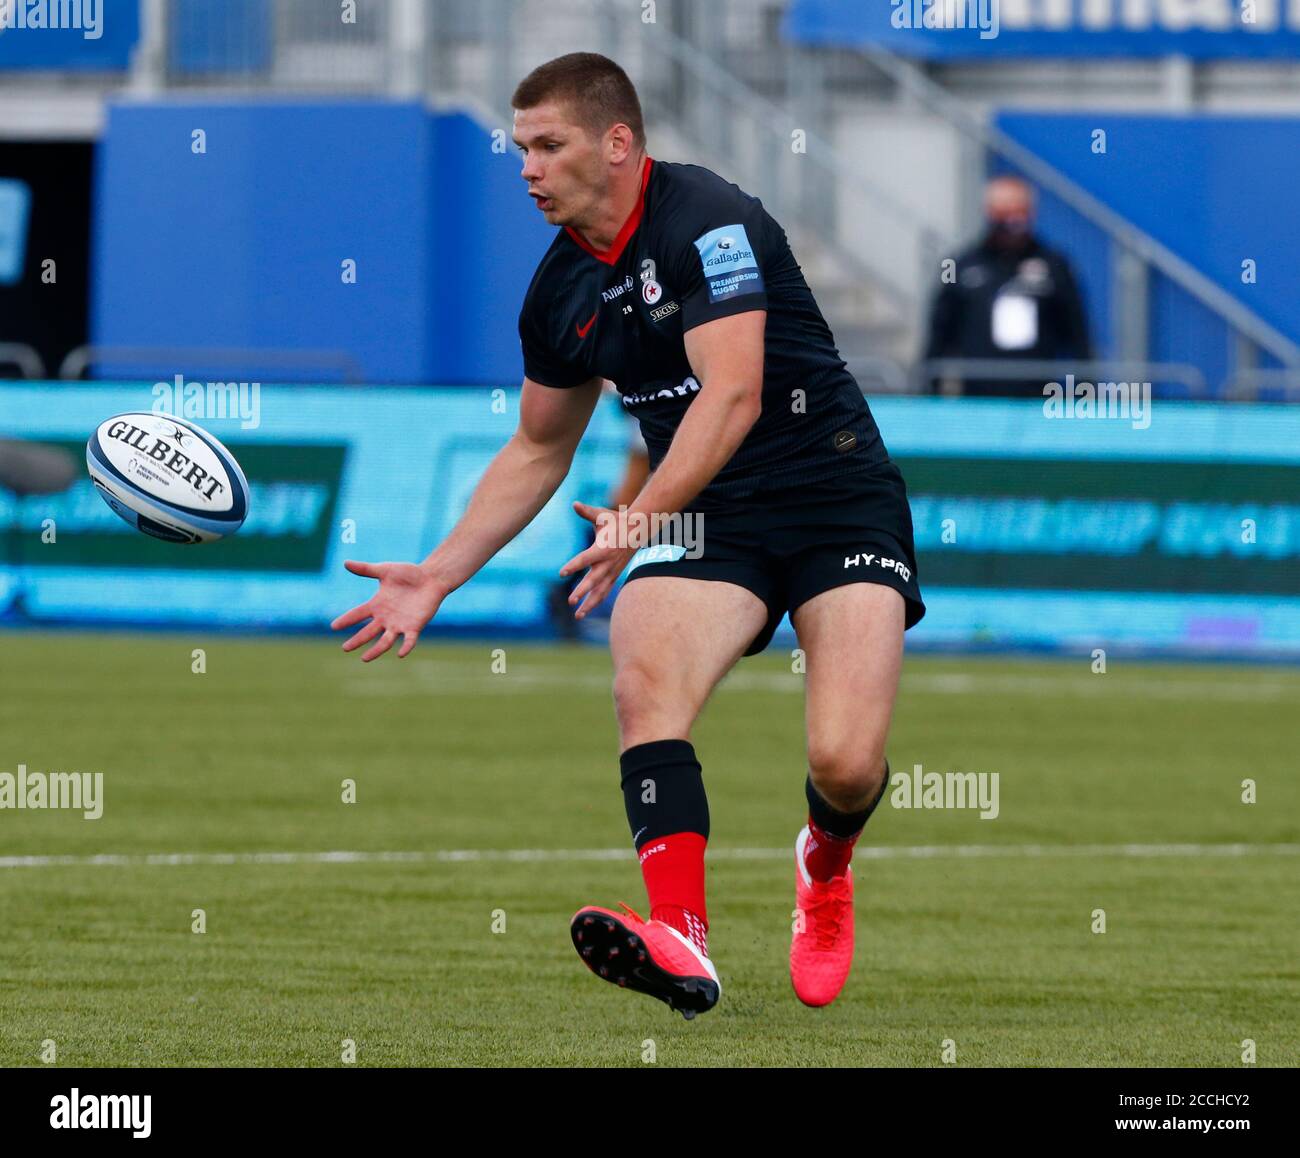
(1177, 532)
(450, 237)
(998, 29)
(69, 35)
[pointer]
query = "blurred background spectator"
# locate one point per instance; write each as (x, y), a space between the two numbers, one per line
(1009, 296)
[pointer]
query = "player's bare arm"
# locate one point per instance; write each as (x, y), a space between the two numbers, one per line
(517, 484)
(726, 356)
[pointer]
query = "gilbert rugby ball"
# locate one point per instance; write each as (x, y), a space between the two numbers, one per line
(167, 477)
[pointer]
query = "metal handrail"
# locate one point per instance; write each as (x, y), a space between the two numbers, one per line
(1246, 384)
(82, 358)
(28, 361)
(770, 114)
(779, 122)
(1119, 228)
(1029, 370)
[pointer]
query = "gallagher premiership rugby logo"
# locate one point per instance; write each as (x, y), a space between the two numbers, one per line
(729, 263)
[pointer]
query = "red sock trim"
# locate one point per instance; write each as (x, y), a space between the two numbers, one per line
(826, 855)
(686, 923)
(673, 870)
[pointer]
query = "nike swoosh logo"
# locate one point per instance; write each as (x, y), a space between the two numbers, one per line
(583, 331)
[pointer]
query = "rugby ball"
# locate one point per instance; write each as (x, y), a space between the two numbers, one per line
(167, 477)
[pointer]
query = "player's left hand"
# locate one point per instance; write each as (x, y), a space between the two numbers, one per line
(603, 561)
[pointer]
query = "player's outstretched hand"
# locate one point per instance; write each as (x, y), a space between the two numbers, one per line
(603, 562)
(406, 600)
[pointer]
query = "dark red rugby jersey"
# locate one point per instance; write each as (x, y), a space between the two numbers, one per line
(697, 248)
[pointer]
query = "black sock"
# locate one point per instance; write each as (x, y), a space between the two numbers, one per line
(663, 790)
(842, 824)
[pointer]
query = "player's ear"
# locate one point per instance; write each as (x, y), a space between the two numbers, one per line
(619, 142)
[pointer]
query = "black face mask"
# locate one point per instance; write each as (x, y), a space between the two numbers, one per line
(1009, 234)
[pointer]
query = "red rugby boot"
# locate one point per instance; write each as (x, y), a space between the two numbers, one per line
(647, 956)
(821, 950)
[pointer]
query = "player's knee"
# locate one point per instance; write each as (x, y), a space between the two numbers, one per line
(643, 699)
(846, 772)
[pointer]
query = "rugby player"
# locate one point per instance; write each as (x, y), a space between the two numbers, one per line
(682, 290)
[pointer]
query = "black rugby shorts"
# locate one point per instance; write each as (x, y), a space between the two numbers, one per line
(792, 546)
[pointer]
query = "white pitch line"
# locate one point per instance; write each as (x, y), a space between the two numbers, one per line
(436, 677)
(452, 856)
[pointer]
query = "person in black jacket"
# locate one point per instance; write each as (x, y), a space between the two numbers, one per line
(1009, 297)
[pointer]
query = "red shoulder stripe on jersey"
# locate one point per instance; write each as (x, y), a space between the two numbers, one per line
(611, 255)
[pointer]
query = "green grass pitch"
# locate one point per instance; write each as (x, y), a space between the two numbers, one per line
(991, 949)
